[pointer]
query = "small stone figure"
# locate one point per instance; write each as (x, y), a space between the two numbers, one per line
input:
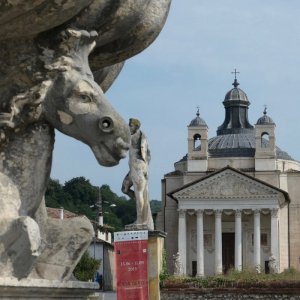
(178, 270)
(272, 264)
(139, 158)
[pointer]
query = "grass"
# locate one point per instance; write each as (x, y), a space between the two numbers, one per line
(290, 278)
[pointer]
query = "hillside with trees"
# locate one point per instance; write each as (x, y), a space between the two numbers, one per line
(79, 196)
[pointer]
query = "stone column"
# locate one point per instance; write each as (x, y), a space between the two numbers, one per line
(182, 238)
(218, 242)
(200, 244)
(274, 235)
(256, 241)
(238, 241)
(155, 254)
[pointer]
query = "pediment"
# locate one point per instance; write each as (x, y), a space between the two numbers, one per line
(227, 184)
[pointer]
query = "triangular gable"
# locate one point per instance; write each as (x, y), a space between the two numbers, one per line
(229, 183)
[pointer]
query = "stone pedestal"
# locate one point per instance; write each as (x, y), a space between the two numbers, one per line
(133, 227)
(29, 289)
(155, 250)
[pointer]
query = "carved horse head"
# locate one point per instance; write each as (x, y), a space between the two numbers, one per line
(75, 104)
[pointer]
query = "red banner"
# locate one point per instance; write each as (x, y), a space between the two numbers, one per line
(131, 258)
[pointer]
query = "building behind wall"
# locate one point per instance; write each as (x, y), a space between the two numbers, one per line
(234, 199)
(102, 249)
(104, 252)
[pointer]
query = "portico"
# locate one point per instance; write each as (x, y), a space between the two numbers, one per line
(228, 220)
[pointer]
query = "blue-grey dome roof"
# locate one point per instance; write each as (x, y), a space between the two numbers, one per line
(236, 94)
(197, 121)
(238, 145)
(265, 119)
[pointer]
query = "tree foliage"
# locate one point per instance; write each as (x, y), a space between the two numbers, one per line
(86, 268)
(55, 195)
(81, 191)
(155, 206)
(78, 195)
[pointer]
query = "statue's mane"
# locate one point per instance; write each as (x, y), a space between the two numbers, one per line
(70, 51)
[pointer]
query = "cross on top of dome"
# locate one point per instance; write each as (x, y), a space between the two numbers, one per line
(235, 83)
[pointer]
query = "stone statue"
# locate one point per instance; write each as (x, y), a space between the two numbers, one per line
(139, 158)
(178, 270)
(67, 99)
(273, 264)
(57, 58)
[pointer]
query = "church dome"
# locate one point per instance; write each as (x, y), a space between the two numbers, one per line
(197, 121)
(236, 136)
(239, 145)
(236, 94)
(232, 145)
(265, 119)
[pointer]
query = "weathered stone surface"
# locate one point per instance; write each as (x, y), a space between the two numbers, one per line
(11, 288)
(124, 27)
(155, 257)
(68, 99)
(46, 82)
(20, 246)
(63, 240)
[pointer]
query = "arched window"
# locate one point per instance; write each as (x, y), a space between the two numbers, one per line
(265, 140)
(197, 142)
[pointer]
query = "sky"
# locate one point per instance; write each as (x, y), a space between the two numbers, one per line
(190, 65)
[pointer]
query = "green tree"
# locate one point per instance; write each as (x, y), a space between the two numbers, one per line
(55, 195)
(155, 206)
(118, 211)
(86, 268)
(81, 191)
(78, 195)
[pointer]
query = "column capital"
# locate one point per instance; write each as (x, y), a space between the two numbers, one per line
(182, 212)
(256, 211)
(218, 212)
(238, 213)
(199, 212)
(274, 212)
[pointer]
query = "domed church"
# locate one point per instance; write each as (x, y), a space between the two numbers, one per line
(234, 200)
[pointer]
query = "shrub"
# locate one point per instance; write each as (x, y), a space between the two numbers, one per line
(238, 279)
(86, 268)
(164, 271)
(290, 271)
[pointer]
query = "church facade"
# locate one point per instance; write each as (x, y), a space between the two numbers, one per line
(234, 200)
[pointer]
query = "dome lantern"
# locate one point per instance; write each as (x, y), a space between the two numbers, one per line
(236, 106)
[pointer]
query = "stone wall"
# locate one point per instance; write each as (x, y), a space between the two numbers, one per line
(223, 294)
(30, 289)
